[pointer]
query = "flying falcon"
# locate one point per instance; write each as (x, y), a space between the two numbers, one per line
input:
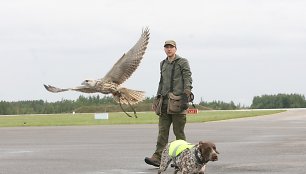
(120, 72)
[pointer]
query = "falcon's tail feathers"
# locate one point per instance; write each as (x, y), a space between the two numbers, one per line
(128, 96)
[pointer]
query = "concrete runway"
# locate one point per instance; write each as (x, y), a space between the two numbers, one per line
(265, 144)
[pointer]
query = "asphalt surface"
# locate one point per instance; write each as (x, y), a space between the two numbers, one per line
(265, 144)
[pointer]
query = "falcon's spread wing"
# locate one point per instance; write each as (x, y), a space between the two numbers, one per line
(120, 72)
(78, 88)
(129, 62)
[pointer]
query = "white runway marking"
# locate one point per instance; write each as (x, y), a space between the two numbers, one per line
(20, 151)
(11, 151)
(121, 171)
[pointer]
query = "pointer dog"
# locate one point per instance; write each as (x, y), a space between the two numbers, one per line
(188, 158)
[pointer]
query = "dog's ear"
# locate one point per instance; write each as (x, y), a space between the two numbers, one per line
(202, 146)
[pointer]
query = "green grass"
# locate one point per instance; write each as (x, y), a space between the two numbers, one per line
(121, 118)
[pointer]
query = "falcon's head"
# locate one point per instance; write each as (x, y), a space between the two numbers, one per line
(89, 83)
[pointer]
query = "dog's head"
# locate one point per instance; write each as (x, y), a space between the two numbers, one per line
(208, 151)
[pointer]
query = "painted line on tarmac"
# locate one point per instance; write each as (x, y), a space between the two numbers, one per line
(20, 151)
(122, 171)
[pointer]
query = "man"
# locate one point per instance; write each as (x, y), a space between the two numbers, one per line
(181, 81)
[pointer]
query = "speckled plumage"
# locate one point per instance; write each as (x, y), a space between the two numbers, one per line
(119, 73)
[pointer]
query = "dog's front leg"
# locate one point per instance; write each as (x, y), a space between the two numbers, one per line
(202, 170)
(164, 162)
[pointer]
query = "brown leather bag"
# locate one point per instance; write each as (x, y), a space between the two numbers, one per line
(157, 104)
(177, 104)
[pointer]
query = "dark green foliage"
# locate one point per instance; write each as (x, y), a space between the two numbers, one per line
(279, 101)
(94, 104)
(219, 105)
(83, 104)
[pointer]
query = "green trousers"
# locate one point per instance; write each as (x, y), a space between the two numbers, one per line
(165, 121)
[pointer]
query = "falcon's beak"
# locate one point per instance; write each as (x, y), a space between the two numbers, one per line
(83, 83)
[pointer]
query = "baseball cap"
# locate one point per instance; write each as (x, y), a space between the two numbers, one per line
(170, 42)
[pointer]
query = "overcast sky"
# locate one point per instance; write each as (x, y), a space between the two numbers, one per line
(237, 49)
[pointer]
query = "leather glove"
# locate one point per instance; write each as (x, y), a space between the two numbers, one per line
(189, 95)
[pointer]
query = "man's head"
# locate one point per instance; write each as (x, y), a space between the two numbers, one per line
(170, 48)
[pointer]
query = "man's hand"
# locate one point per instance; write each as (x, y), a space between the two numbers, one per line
(189, 95)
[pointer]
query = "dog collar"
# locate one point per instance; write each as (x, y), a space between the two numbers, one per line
(198, 158)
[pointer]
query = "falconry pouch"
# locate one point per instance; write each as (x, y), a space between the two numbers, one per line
(157, 104)
(177, 104)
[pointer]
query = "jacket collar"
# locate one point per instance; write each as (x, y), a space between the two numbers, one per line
(177, 57)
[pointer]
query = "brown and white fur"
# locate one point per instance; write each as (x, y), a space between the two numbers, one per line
(190, 161)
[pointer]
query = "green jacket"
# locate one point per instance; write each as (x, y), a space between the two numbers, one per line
(182, 76)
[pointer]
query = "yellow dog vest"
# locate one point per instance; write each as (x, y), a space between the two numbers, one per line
(178, 146)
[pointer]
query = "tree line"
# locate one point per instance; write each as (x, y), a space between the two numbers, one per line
(279, 101)
(220, 105)
(83, 104)
(95, 104)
